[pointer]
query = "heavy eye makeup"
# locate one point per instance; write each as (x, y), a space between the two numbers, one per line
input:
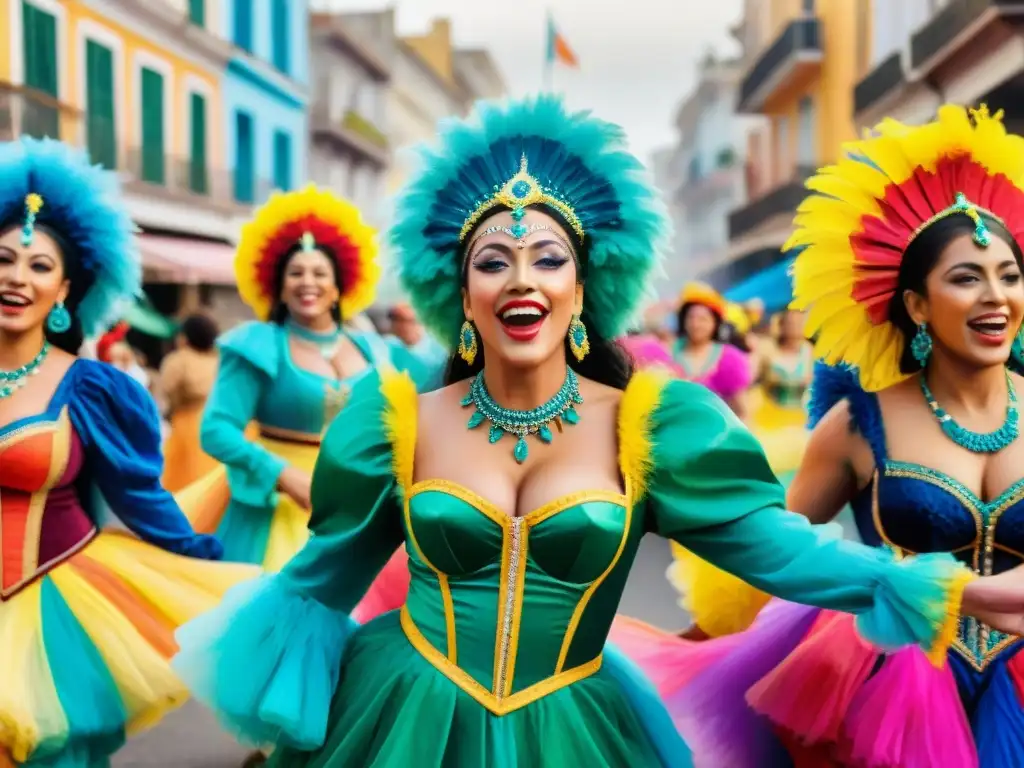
(492, 258)
(968, 274)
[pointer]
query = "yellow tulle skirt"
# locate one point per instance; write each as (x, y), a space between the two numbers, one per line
(184, 459)
(248, 535)
(85, 650)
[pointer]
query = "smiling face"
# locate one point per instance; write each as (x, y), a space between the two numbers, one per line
(522, 293)
(974, 301)
(700, 324)
(32, 280)
(308, 287)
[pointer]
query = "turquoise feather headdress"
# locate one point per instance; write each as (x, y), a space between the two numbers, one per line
(46, 182)
(534, 153)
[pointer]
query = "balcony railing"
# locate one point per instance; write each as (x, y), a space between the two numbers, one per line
(949, 23)
(878, 83)
(783, 200)
(799, 41)
(27, 112)
(188, 178)
(357, 123)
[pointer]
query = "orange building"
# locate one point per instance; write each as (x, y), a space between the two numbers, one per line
(802, 59)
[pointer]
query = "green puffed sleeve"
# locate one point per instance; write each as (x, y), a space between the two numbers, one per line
(249, 359)
(267, 660)
(711, 490)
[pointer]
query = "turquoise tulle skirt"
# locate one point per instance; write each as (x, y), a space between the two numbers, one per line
(290, 672)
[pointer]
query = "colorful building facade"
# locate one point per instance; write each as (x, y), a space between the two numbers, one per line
(802, 60)
(265, 95)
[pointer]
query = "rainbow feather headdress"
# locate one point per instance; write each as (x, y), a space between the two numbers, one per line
(530, 153)
(869, 207)
(47, 182)
(311, 218)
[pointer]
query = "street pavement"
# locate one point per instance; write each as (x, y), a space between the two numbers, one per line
(190, 738)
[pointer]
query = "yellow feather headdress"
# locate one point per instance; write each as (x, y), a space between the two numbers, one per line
(311, 219)
(869, 206)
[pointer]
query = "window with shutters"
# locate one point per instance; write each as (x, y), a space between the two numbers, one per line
(100, 125)
(242, 26)
(282, 161)
(245, 178)
(153, 153)
(280, 53)
(197, 12)
(198, 174)
(39, 49)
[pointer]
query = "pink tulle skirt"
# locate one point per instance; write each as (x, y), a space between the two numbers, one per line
(802, 688)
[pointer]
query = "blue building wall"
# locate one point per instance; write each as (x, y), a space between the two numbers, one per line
(274, 100)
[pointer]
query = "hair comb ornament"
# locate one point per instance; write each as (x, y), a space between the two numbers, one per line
(308, 242)
(519, 192)
(33, 204)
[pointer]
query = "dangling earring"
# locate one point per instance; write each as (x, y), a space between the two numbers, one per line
(467, 342)
(921, 345)
(59, 319)
(1017, 349)
(578, 341)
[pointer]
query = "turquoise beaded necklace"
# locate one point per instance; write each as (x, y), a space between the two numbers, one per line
(505, 421)
(12, 381)
(976, 442)
(325, 341)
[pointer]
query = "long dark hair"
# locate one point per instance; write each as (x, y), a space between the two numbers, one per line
(920, 259)
(606, 363)
(279, 313)
(79, 279)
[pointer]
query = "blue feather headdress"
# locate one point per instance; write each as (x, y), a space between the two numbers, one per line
(536, 150)
(47, 182)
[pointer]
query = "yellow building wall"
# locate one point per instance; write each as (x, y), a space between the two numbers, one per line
(5, 40)
(128, 118)
(845, 33)
(435, 48)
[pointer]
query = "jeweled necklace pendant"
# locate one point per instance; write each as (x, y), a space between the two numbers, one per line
(326, 341)
(12, 381)
(504, 421)
(977, 442)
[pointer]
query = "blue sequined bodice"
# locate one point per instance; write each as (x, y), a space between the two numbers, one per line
(913, 509)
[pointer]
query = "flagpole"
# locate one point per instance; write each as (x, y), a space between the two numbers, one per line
(549, 75)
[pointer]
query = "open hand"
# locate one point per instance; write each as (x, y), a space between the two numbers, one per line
(998, 600)
(296, 484)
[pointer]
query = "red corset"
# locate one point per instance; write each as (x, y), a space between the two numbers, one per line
(42, 522)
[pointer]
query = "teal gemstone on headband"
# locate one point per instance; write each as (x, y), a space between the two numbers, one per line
(518, 213)
(521, 189)
(518, 230)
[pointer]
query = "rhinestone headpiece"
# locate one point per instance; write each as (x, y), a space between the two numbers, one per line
(961, 204)
(519, 192)
(33, 204)
(308, 242)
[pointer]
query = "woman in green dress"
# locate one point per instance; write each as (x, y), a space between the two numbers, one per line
(528, 236)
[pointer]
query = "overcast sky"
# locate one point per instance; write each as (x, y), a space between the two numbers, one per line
(636, 62)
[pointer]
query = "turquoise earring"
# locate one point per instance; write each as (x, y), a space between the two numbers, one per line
(921, 346)
(578, 341)
(59, 319)
(467, 342)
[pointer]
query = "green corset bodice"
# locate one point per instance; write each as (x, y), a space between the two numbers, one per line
(511, 609)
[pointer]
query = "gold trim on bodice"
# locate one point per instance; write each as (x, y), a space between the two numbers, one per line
(60, 454)
(977, 643)
(400, 422)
